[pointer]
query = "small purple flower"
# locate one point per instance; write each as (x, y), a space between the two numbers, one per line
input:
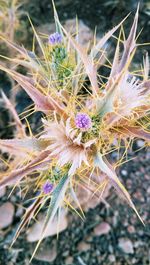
(55, 38)
(83, 121)
(47, 187)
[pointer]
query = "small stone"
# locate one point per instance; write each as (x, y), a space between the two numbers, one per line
(140, 143)
(148, 190)
(47, 254)
(19, 212)
(126, 245)
(124, 172)
(65, 253)
(115, 218)
(6, 214)
(69, 260)
(138, 244)
(131, 229)
(83, 246)
(110, 248)
(111, 258)
(2, 192)
(102, 229)
(134, 260)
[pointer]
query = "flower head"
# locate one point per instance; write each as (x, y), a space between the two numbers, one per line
(83, 121)
(47, 187)
(55, 38)
(66, 145)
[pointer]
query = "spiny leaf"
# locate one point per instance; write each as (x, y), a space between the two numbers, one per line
(39, 163)
(43, 102)
(56, 200)
(137, 132)
(30, 59)
(130, 43)
(106, 104)
(102, 163)
(146, 67)
(105, 38)
(23, 146)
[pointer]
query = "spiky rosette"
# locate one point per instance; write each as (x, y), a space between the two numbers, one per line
(79, 128)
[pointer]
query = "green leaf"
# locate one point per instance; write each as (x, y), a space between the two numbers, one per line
(56, 200)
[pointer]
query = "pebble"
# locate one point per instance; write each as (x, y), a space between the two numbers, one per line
(102, 229)
(6, 214)
(69, 260)
(140, 143)
(83, 246)
(126, 245)
(131, 229)
(47, 254)
(111, 258)
(148, 190)
(124, 172)
(2, 192)
(138, 244)
(19, 212)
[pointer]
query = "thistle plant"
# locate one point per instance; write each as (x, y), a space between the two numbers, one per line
(81, 125)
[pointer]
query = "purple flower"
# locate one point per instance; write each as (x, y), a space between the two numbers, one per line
(55, 38)
(47, 187)
(83, 121)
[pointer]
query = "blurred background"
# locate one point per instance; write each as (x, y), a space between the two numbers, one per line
(111, 232)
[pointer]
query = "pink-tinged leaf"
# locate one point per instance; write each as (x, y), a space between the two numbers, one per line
(130, 43)
(22, 147)
(16, 47)
(30, 59)
(115, 63)
(102, 163)
(43, 102)
(146, 67)
(19, 125)
(136, 132)
(105, 38)
(39, 163)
